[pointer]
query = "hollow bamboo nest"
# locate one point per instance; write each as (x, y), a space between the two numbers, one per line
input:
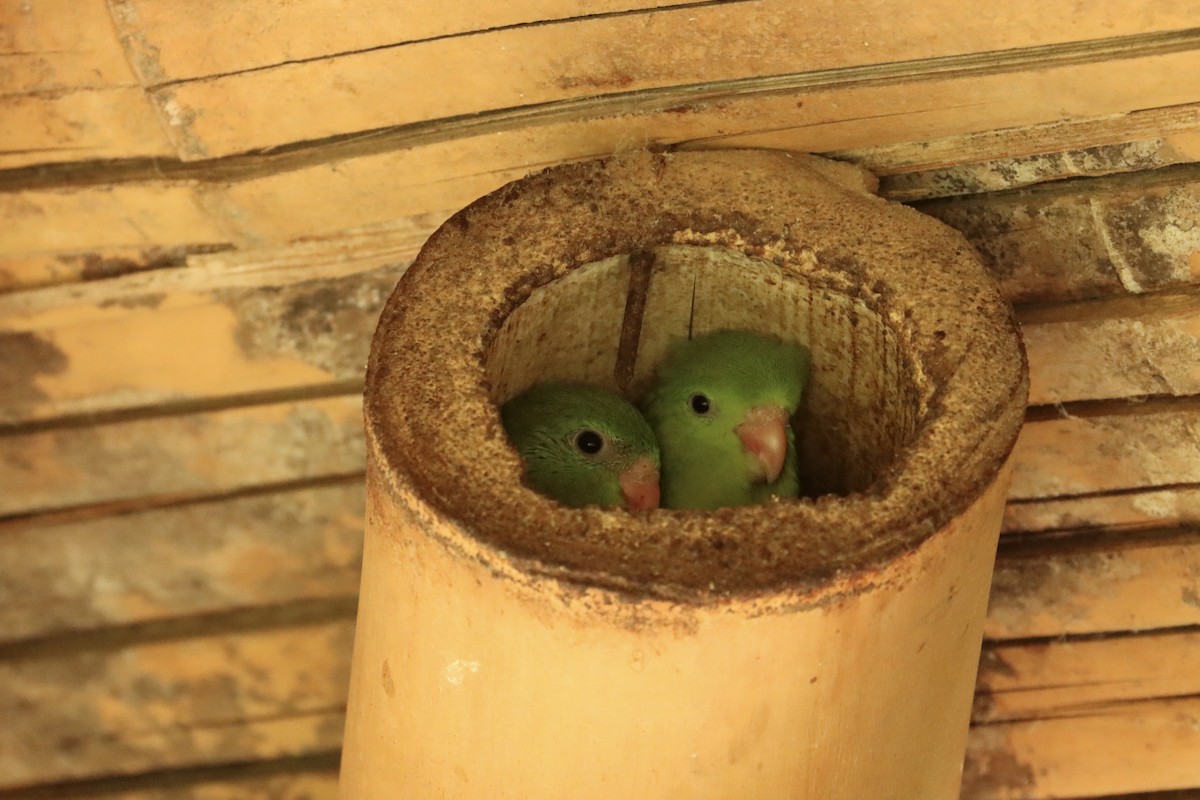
(917, 394)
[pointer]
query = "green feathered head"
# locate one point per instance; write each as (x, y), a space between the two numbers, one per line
(720, 407)
(584, 446)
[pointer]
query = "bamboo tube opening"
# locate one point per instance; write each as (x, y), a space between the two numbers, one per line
(918, 378)
(822, 647)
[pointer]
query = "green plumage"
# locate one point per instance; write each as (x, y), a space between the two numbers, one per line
(705, 464)
(545, 424)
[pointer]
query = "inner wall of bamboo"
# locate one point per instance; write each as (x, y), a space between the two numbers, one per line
(861, 406)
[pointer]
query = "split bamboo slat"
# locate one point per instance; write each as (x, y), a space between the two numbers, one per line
(202, 215)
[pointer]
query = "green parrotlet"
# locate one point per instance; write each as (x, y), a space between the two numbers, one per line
(584, 446)
(721, 406)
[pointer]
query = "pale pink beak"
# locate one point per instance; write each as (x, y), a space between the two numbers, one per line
(764, 435)
(639, 485)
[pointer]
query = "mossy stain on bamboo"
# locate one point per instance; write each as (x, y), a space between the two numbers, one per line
(326, 322)
(990, 768)
(617, 79)
(94, 266)
(147, 300)
(1154, 234)
(23, 357)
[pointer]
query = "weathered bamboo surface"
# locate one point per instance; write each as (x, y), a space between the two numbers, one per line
(233, 311)
(201, 216)
(215, 101)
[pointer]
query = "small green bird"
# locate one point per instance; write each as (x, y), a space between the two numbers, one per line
(721, 407)
(584, 446)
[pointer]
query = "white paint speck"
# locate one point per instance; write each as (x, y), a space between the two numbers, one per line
(456, 671)
(174, 112)
(1155, 504)
(1124, 272)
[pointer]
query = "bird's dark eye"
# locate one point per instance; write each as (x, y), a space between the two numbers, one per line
(699, 403)
(589, 442)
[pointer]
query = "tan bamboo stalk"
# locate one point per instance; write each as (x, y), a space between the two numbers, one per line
(819, 648)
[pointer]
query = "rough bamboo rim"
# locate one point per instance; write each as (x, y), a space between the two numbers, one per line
(431, 420)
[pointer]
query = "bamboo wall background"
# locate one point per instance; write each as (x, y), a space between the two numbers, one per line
(202, 213)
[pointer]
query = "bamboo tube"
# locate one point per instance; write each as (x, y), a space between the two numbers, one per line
(825, 647)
